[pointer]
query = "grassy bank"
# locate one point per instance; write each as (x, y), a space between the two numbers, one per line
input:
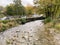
(52, 24)
(6, 24)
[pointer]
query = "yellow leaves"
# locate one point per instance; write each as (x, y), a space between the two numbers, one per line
(29, 9)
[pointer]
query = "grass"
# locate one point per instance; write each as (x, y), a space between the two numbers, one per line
(54, 24)
(57, 26)
(6, 24)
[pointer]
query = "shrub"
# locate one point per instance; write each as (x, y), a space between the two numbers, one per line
(3, 27)
(47, 20)
(6, 24)
(11, 24)
(23, 21)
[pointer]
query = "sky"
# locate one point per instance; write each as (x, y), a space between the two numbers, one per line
(24, 2)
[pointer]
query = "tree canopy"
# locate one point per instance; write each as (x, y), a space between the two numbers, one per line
(51, 8)
(29, 10)
(16, 8)
(19, 8)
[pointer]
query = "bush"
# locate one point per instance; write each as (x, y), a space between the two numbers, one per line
(23, 21)
(4, 21)
(47, 20)
(3, 27)
(6, 24)
(11, 24)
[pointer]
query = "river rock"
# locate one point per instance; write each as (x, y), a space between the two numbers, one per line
(32, 33)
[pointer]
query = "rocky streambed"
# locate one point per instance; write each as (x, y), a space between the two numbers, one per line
(32, 33)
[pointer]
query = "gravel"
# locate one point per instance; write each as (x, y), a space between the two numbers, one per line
(32, 33)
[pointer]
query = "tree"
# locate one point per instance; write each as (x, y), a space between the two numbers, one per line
(29, 10)
(10, 10)
(15, 9)
(19, 8)
(1, 9)
(50, 8)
